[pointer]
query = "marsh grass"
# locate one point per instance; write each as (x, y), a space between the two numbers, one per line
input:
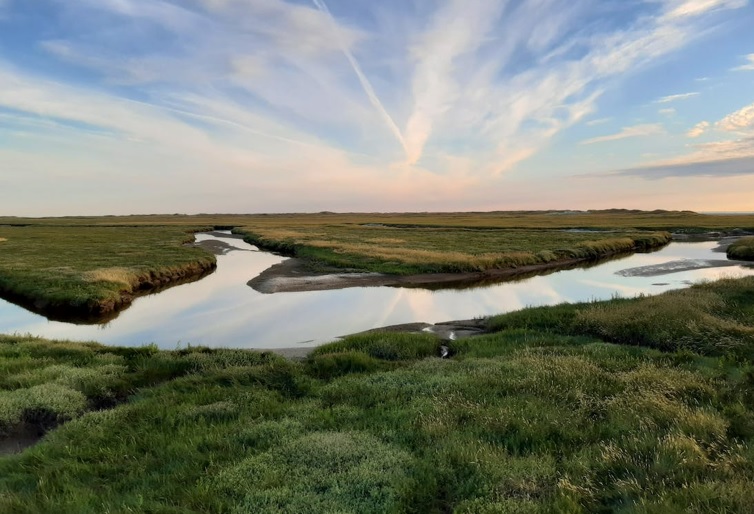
(93, 270)
(86, 267)
(641, 405)
(405, 250)
(743, 249)
(710, 319)
(608, 220)
(540, 415)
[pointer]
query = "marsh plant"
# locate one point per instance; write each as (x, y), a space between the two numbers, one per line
(624, 405)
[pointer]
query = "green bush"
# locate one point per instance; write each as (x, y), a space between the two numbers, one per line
(328, 366)
(742, 250)
(320, 472)
(389, 346)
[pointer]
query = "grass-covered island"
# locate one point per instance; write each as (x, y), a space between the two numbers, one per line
(87, 272)
(640, 405)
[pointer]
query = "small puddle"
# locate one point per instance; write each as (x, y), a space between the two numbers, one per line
(220, 310)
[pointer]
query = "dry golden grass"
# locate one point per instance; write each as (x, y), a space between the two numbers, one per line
(385, 240)
(2, 239)
(279, 234)
(93, 269)
(120, 276)
(421, 249)
(416, 256)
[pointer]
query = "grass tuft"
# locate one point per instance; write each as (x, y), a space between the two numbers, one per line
(742, 250)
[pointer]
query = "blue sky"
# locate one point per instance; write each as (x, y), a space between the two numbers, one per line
(151, 106)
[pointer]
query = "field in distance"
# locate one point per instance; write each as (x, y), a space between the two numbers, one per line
(95, 265)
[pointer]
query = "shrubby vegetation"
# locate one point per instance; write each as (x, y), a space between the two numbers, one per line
(638, 405)
(743, 249)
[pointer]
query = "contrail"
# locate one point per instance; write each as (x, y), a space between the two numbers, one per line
(365, 84)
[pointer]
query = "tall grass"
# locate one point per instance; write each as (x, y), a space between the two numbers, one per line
(710, 319)
(81, 271)
(88, 267)
(743, 249)
(444, 250)
(610, 219)
(540, 415)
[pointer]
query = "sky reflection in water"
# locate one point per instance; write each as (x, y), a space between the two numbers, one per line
(222, 311)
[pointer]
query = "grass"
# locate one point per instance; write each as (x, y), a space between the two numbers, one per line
(612, 219)
(619, 406)
(86, 268)
(443, 250)
(82, 271)
(714, 319)
(743, 249)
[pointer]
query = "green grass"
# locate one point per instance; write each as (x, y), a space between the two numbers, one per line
(89, 267)
(81, 271)
(407, 250)
(715, 318)
(611, 219)
(743, 249)
(619, 406)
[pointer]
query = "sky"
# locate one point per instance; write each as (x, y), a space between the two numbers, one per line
(243, 106)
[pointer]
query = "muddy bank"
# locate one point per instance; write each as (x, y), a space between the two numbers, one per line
(293, 275)
(17, 440)
(98, 312)
(445, 331)
(217, 247)
(678, 266)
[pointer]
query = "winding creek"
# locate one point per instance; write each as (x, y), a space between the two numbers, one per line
(221, 310)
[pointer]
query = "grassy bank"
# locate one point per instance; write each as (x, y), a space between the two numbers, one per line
(413, 250)
(743, 249)
(467, 242)
(89, 267)
(623, 406)
(89, 271)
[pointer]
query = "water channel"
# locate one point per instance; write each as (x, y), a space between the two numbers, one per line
(221, 310)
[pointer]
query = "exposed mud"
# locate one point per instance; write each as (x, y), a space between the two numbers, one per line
(678, 266)
(445, 331)
(19, 439)
(294, 275)
(219, 247)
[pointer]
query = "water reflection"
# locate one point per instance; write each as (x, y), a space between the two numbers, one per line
(222, 311)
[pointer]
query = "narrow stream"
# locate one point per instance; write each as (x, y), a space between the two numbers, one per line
(222, 311)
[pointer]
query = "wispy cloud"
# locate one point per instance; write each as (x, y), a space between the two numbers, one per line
(720, 168)
(746, 67)
(599, 121)
(686, 8)
(698, 129)
(667, 112)
(363, 80)
(628, 132)
(723, 158)
(377, 99)
(675, 98)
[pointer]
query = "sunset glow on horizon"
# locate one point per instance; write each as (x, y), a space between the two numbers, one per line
(162, 106)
